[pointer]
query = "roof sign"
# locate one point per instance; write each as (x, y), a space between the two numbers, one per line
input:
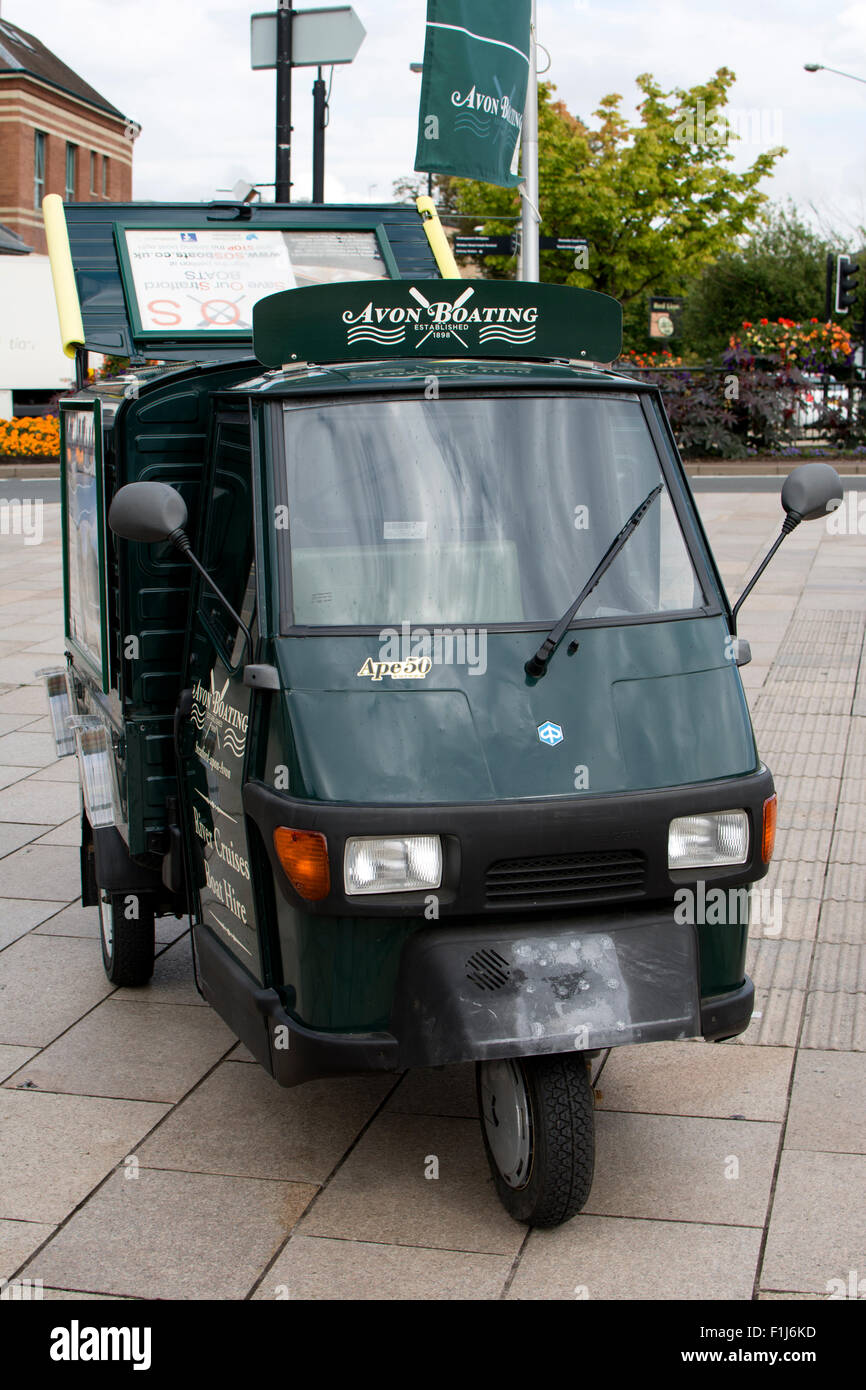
(436, 318)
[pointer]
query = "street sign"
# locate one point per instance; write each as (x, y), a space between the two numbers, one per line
(664, 317)
(562, 243)
(319, 37)
(510, 245)
(484, 246)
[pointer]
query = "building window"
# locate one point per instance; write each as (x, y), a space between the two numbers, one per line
(71, 162)
(39, 168)
(93, 171)
(105, 176)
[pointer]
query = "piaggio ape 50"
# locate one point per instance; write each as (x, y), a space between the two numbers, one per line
(399, 661)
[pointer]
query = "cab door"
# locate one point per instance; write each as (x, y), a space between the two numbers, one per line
(217, 736)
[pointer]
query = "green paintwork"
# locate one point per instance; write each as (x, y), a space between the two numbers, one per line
(382, 319)
(632, 703)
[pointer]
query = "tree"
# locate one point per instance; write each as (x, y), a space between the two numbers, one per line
(779, 272)
(656, 200)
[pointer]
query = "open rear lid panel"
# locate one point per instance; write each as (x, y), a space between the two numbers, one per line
(177, 281)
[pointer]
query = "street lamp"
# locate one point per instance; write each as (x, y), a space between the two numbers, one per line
(819, 67)
(419, 67)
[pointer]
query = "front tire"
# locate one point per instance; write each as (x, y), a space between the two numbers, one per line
(127, 941)
(538, 1127)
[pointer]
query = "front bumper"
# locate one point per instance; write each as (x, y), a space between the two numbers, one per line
(481, 992)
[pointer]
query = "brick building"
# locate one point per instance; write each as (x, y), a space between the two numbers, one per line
(57, 135)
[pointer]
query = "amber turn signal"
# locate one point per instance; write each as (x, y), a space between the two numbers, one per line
(304, 857)
(768, 836)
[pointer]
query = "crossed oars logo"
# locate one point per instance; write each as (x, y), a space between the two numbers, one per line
(431, 308)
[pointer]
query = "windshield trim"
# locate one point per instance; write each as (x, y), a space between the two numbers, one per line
(669, 466)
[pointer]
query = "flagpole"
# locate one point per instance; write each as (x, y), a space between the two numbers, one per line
(530, 216)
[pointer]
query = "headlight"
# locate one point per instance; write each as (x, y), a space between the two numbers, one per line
(702, 842)
(397, 864)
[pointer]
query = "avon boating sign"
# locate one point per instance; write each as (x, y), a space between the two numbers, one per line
(473, 89)
(377, 319)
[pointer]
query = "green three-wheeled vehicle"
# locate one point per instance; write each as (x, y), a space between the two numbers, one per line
(399, 661)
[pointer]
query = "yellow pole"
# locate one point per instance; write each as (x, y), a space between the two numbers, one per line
(63, 274)
(439, 243)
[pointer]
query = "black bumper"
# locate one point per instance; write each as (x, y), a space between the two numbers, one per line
(482, 992)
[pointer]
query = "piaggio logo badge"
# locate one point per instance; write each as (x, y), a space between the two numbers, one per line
(550, 733)
(388, 327)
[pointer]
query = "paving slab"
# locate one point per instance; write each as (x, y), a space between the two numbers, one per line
(842, 921)
(69, 833)
(775, 965)
(381, 1194)
(839, 966)
(10, 775)
(63, 770)
(21, 669)
(818, 1222)
(42, 871)
(46, 984)
(312, 1267)
(835, 1021)
(849, 846)
(18, 1240)
(846, 882)
(698, 1078)
(173, 1235)
(18, 916)
(13, 836)
(776, 1018)
(239, 1121)
(72, 920)
(76, 1296)
(25, 699)
(154, 1052)
(55, 1149)
(11, 1058)
(674, 1168)
(23, 749)
(42, 803)
(609, 1257)
(828, 1103)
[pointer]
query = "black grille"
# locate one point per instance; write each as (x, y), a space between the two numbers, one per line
(567, 878)
(488, 970)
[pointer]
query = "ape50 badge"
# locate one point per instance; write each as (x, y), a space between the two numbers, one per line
(397, 670)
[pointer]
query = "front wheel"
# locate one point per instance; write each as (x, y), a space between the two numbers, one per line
(127, 927)
(538, 1126)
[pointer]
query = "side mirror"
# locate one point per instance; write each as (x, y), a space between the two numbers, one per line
(151, 512)
(808, 492)
(812, 490)
(147, 512)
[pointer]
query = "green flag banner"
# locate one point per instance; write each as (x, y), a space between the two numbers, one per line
(473, 89)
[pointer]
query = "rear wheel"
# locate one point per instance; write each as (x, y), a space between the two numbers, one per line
(538, 1127)
(127, 926)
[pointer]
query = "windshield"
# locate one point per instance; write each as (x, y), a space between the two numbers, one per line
(476, 511)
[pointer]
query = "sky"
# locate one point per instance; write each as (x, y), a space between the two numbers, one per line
(181, 68)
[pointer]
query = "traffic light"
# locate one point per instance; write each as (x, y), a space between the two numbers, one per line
(846, 283)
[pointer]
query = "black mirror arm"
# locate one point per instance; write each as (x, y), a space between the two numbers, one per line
(788, 525)
(180, 540)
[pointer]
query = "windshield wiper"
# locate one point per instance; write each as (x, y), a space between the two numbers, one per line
(537, 664)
